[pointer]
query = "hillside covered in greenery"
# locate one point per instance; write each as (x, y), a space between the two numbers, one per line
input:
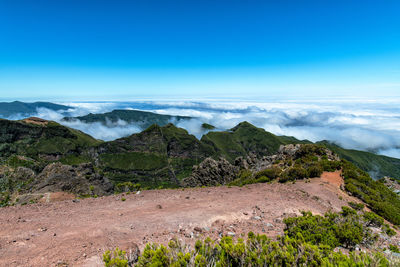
(22, 109)
(160, 156)
(142, 118)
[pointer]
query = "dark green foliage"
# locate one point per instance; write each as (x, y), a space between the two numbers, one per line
(378, 196)
(394, 248)
(133, 161)
(315, 170)
(257, 250)
(373, 220)
(308, 241)
(241, 140)
(294, 173)
(74, 159)
(271, 174)
(344, 229)
(377, 165)
(389, 231)
(310, 150)
(17, 137)
(356, 206)
(15, 161)
(207, 126)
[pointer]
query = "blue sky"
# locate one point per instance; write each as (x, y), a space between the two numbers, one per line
(128, 49)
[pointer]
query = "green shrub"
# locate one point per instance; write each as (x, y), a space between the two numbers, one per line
(394, 248)
(257, 250)
(309, 240)
(344, 229)
(315, 171)
(271, 173)
(372, 219)
(356, 206)
(310, 149)
(389, 231)
(294, 173)
(378, 196)
(116, 258)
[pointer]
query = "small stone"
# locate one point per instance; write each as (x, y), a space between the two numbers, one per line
(84, 255)
(138, 192)
(258, 218)
(75, 200)
(159, 206)
(231, 234)
(54, 234)
(197, 229)
(245, 213)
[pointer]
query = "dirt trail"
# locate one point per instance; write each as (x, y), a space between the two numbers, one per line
(77, 233)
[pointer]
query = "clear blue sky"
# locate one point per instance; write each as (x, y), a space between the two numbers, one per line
(124, 49)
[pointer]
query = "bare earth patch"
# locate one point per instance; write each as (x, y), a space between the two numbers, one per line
(77, 233)
(35, 120)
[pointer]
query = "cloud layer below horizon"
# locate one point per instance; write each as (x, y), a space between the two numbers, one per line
(363, 124)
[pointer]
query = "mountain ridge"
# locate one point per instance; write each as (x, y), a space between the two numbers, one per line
(24, 109)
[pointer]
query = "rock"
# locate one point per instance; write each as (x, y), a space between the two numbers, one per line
(258, 218)
(197, 229)
(231, 234)
(81, 179)
(211, 172)
(159, 206)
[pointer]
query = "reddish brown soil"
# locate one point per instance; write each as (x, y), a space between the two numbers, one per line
(35, 120)
(334, 178)
(77, 233)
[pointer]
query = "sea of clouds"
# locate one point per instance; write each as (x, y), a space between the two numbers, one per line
(363, 124)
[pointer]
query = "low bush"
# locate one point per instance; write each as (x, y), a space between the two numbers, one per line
(356, 206)
(309, 240)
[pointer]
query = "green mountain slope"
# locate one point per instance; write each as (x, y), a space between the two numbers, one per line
(37, 154)
(245, 138)
(39, 140)
(376, 165)
(8, 109)
(154, 157)
(143, 118)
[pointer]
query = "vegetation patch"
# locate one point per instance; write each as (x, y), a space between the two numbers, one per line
(134, 161)
(376, 194)
(308, 241)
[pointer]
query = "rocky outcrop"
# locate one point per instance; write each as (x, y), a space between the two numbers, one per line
(80, 179)
(218, 172)
(212, 172)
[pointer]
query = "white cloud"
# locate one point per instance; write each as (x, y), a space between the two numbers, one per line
(365, 124)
